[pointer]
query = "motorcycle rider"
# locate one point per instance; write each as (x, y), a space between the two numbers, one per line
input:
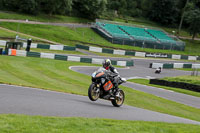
(108, 66)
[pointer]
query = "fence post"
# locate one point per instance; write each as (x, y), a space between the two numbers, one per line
(28, 44)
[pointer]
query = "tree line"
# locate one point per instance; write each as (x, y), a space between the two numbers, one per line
(165, 12)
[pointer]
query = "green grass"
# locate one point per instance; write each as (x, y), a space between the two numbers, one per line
(5, 35)
(68, 19)
(63, 35)
(42, 73)
(43, 18)
(39, 124)
(55, 75)
(186, 79)
(71, 36)
(146, 82)
(187, 69)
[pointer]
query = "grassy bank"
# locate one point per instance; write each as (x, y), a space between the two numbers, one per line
(68, 19)
(186, 79)
(5, 35)
(72, 36)
(146, 82)
(187, 69)
(39, 124)
(43, 18)
(55, 75)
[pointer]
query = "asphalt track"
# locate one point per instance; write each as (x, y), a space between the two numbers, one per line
(167, 94)
(31, 101)
(141, 67)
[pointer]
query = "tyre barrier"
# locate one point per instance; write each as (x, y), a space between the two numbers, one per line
(174, 84)
(174, 65)
(23, 53)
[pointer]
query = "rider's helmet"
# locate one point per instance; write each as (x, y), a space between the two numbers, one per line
(106, 64)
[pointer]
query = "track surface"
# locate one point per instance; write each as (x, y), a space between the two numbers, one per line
(141, 67)
(30, 101)
(174, 96)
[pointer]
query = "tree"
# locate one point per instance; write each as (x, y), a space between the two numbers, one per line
(11, 4)
(28, 6)
(91, 9)
(193, 18)
(55, 6)
(182, 16)
(164, 12)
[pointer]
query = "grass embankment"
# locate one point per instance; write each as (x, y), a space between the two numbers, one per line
(72, 36)
(43, 18)
(6, 35)
(146, 82)
(68, 19)
(187, 69)
(186, 79)
(55, 75)
(39, 124)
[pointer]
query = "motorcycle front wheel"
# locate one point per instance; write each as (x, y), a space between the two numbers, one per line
(119, 98)
(93, 92)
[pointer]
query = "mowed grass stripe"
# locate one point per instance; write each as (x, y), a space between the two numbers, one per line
(39, 73)
(27, 74)
(40, 124)
(56, 75)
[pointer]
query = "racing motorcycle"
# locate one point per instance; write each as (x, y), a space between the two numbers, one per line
(102, 87)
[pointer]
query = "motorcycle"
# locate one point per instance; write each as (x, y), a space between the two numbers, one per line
(102, 87)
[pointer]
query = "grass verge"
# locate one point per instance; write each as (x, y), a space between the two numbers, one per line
(187, 69)
(5, 35)
(72, 36)
(39, 124)
(43, 18)
(186, 79)
(55, 75)
(68, 19)
(146, 82)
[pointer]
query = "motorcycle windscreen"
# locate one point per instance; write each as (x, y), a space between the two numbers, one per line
(107, 86)
(99, 74)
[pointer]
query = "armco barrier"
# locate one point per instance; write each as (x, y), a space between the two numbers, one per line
(135, 53)
(67, 58)
(174, 84)
(174, 65)
(109, 51)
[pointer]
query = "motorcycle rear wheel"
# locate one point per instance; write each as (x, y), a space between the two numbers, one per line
(119, 99)
(93, 92)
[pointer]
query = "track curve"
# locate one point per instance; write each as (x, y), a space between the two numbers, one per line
(31, 101)
(130, 73)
